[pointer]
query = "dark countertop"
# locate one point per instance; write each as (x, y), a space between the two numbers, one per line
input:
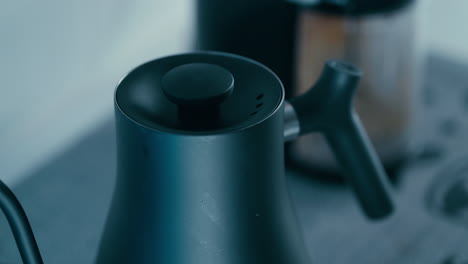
(68, 198)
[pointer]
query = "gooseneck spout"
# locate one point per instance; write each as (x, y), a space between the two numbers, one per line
(20, 226)
(328, 108)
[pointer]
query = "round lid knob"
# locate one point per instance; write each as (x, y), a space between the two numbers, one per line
(197, 84)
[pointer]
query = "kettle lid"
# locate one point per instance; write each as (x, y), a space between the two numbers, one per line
(199, 93)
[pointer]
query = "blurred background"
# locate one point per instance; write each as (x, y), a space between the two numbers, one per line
(60, 62)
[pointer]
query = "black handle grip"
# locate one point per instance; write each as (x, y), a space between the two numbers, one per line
(361, 164)
(20, 226)
(327, 107)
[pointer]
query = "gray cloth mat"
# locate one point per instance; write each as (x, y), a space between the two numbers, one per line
(68, 198)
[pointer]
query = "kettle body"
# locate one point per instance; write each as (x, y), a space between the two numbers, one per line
(190, 191)
(218, 198)
(200, 139)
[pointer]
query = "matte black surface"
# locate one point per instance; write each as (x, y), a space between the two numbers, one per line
(328, 108)
(201, 199)
(165, 176)
(198, 90)
(212, 197)
(197, 84)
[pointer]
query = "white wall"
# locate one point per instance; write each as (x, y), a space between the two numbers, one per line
(446, 28)
(60, 61)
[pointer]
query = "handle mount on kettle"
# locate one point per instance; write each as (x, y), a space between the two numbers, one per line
(328, 108)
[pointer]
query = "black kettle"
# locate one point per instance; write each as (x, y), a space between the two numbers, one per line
(201, 166)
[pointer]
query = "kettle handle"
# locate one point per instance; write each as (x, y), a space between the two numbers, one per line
(20, 226)
(328, 107)
(357, 157)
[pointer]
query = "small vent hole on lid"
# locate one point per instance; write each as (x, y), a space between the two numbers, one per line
(252, 114)
(260, 96)
(259, 105)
